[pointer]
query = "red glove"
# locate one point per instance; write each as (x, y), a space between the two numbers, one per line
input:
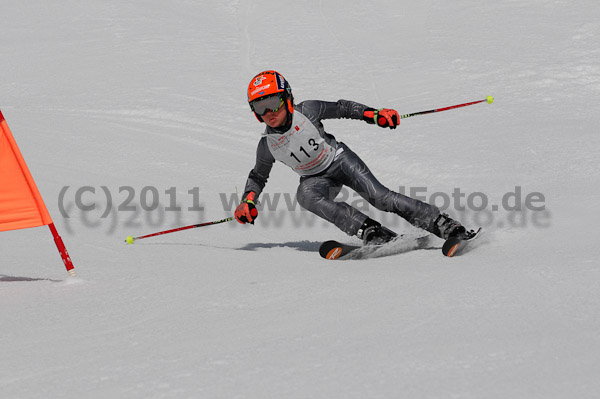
(382, 117)
(246, 211)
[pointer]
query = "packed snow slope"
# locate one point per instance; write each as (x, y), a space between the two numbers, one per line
(133, 119)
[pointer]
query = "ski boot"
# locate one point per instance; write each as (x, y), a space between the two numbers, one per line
(373, 233)
(447, 227)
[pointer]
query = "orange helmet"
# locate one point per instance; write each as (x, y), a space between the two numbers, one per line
(268, 84)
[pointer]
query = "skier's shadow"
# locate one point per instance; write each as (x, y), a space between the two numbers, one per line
(305, 246)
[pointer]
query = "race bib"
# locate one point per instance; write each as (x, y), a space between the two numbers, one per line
(302, 148)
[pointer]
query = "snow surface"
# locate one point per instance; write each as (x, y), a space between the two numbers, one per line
(121, 97)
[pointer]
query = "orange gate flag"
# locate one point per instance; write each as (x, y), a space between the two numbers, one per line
(21, 204)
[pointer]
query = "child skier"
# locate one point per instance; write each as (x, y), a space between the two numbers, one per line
(295, 136)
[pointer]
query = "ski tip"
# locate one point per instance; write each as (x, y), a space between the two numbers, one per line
(330, 250)
(453, 246)
(452, 250)
(334, 250)
(334, 253)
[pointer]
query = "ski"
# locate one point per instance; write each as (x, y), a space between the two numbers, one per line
(454, 246)
(332, 249)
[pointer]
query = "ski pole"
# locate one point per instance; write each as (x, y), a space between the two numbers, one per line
(130, 239)
(489, 100)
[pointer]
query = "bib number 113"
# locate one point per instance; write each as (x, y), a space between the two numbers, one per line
(311, 142)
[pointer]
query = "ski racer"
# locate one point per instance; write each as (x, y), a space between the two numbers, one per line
(295, 135)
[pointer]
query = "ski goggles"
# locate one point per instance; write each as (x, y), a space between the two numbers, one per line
(263, 105)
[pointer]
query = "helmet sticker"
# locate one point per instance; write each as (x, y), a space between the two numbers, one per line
(262, 88)
(259, 80)
(280, 82)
